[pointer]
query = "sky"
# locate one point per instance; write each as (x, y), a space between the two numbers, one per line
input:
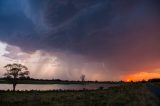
(63, 39)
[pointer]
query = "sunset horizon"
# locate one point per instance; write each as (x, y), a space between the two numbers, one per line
(80, 52)
(105, 40)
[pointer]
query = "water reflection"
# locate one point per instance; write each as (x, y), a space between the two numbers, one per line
(55, 86)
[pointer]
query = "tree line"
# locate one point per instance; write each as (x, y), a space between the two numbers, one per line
(15, 72)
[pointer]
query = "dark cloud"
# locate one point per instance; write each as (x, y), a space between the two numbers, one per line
(123, 33)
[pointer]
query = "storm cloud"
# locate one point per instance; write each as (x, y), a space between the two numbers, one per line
(121, 34)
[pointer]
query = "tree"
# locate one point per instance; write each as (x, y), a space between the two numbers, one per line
(82, 77)
(15, 71)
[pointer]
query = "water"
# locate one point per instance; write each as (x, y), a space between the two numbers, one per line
(55, 86)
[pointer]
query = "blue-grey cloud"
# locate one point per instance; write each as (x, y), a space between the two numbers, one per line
(124, 33)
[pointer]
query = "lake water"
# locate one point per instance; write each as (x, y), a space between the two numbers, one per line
(55, 86)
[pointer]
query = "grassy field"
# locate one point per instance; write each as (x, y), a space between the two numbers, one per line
(157, 84)
(126, 95)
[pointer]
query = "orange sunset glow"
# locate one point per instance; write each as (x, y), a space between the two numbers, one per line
(80, 52)
(142, 76)
(107, 40)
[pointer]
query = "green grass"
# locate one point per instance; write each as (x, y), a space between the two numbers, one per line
(126, 95)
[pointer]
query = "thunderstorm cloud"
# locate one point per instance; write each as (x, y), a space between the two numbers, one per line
(114, 36)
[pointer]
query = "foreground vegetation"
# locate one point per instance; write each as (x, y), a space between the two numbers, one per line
(126, 95)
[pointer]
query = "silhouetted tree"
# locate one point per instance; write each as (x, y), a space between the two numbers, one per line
(82, 77)
(154, 80)
(15, 71)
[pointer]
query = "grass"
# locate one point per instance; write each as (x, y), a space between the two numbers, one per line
(157, 84)
(126, 95)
